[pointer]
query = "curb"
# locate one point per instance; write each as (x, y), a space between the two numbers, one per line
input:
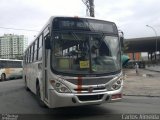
(151, 70)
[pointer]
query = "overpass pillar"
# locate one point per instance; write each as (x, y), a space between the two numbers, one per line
(151, 56)
(155, 55)
(148, 56)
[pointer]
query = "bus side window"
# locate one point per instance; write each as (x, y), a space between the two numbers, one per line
(40, 48)
(35, 50)
(29, 54)
(24, 57)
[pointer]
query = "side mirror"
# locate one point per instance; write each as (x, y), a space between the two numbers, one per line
(47, 43)
(122, 41)
(121, 37)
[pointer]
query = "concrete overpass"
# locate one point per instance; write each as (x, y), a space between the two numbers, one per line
(145, 44)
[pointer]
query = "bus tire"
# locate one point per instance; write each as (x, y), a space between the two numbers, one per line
(40, 102)
(3, 77)
(26, 87)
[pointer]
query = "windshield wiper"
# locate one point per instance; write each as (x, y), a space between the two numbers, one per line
(99, 38)
(75, 36)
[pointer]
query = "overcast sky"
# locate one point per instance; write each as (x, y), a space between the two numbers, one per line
(131, 16)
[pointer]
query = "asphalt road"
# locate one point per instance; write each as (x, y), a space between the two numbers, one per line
(15, 100)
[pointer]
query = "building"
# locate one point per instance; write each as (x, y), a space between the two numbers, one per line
(12, 46)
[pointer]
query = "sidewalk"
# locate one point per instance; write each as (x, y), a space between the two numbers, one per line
(147, 83)
(153, 68)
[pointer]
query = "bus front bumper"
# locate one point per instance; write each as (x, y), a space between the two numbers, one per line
(70, 99)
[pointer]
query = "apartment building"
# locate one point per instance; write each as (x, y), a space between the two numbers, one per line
(12, 46)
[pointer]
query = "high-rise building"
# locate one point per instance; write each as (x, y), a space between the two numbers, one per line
(12, 46)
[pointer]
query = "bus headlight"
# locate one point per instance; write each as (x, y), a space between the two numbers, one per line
(59, 87)
(117, 84)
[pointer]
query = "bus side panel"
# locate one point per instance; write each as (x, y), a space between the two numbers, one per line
(32, 74)
(32, 78)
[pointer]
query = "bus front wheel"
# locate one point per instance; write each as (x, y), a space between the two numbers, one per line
(3, 76)
(41, 103)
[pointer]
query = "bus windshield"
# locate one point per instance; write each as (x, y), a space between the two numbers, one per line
(84, 53)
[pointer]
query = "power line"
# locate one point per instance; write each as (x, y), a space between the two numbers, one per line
(18, 29)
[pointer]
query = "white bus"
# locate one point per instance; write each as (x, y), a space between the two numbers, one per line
(73, 62)
(10, 69)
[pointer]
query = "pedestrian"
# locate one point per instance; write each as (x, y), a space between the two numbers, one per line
(136, 68)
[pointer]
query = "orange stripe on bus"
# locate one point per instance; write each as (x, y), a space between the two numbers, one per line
(79, 86)
(8, 70)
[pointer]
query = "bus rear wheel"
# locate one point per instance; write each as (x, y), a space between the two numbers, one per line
(41, 103)
(3, 76)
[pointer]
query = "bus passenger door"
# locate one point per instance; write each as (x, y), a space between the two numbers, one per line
(45, 72)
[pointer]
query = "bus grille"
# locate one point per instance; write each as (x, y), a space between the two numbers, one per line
(86, 89)
(90, 81)
(89, 97)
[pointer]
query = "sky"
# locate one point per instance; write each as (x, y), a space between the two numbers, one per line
(130, 16)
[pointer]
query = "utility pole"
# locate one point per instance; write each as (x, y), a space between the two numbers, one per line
(90, 7)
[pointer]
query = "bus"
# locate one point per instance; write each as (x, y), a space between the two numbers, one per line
(74, 61)
(10, 69)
